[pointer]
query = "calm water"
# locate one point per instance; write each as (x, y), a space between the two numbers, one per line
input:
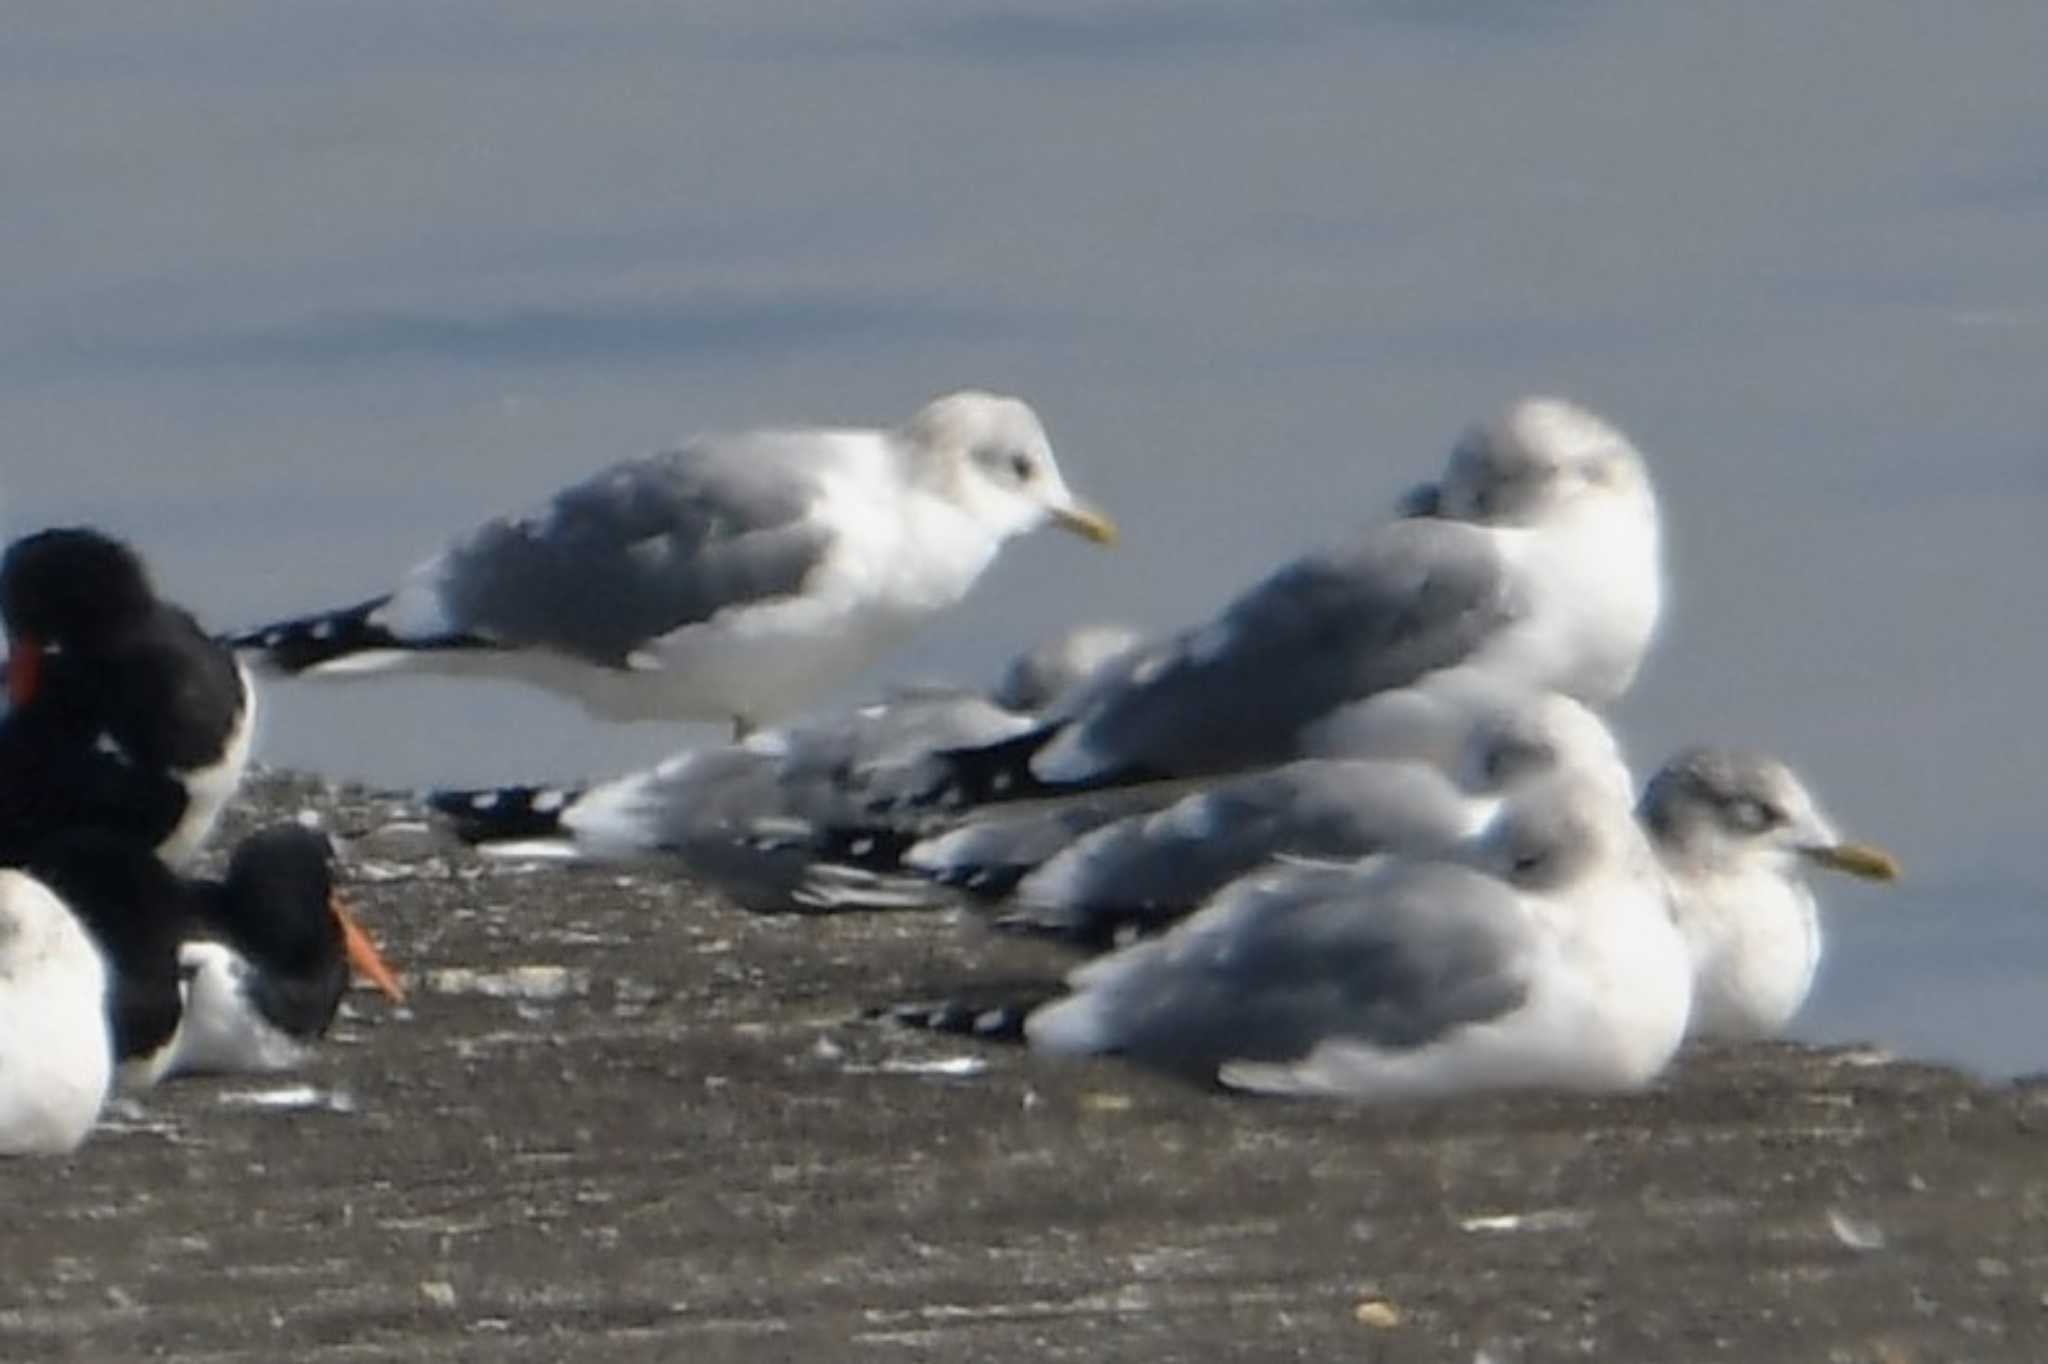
(287, 298)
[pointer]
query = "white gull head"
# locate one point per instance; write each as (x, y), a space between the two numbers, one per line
(1736, 833)
(989, 455)
(1571, 501)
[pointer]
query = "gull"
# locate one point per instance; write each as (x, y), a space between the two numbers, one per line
(1415, 768)
(89, 989)
(124, 714)
(1541, 956)
(984, 851)
(1145, 871)
(733, 579)
(1737, 834)
(1540, 565)
(56, 1058)
(754, 816)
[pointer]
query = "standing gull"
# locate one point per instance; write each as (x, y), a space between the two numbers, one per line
(1541, 565)
(733, 579)
(1737, 834)
(1542, 957)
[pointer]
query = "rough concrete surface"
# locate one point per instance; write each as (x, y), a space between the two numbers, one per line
(621, 1120)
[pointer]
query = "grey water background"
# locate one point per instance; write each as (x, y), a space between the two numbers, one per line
(288, 294)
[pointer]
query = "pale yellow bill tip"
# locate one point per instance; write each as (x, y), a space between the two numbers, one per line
(1086, 521)
(1866, 860)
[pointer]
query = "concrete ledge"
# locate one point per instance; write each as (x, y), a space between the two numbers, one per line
(621, 1121)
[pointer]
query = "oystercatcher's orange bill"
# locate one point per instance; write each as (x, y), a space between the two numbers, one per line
(24, 669)
(362, 953)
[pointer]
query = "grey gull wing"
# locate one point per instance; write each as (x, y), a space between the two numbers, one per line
(1146, 871)
(982, 853)
(1394, 955)
(1411, 597)
(631, 553)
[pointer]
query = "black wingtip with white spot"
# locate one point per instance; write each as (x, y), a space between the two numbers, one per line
(984, 881)
(870, 847)
(295, 646)
(996, 1022)
(499, 814)
(1099, 933)
(953, 779)
(957, 778)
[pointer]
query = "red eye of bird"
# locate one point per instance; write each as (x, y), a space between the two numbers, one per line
(24, 669)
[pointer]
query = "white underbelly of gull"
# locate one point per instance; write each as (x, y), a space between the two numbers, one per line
(736, 578)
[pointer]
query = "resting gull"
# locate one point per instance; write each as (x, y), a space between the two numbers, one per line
(1540, 565)
(1414, 769)
(1542, 957)
(752, 817)
(1146, 871)
(735, 578)
(56, 1061)
(1737, 834)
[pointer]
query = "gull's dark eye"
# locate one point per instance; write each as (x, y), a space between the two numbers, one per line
(1499, 763)
(1510, 757)
(1754, 816)
(1529, 860)
(1021, 466)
